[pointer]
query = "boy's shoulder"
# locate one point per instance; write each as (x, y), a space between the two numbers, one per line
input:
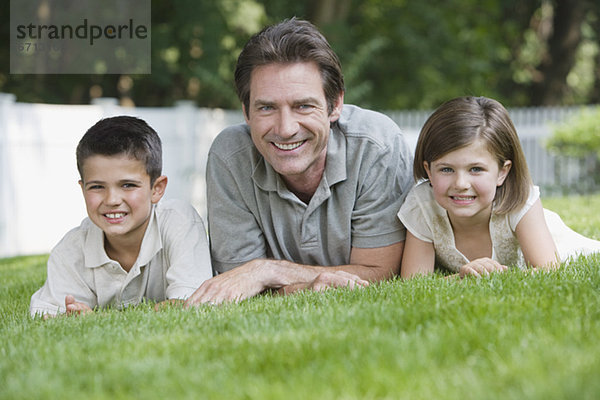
(176, 208)
(74, 241)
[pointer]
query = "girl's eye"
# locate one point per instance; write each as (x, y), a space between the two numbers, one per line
(446, 170)
(476, 169)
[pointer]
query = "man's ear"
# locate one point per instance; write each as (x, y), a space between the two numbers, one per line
(337, 108)
(158, 189)
(245, 112)
(503, 173)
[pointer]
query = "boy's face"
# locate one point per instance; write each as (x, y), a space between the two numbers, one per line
(118, 196)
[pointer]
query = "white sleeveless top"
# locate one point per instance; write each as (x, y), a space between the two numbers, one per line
(428, 221)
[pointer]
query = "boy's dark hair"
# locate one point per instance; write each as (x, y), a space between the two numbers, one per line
(290, 41)
(122, 135)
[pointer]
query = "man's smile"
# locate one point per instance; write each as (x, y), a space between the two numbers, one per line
(288, 146)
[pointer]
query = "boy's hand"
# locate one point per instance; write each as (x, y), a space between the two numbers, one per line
(481, 267)
(74, 307)
(168, 304)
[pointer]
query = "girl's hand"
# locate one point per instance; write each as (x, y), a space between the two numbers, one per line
(481, 267)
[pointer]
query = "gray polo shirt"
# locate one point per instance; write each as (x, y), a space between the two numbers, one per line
(252, 214)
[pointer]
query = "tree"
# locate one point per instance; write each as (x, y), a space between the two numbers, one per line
(568, 17)
(396, 54)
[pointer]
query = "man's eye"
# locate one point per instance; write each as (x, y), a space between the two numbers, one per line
(305, 107)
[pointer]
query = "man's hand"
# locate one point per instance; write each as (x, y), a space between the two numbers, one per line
(326, 280)
(76, 308)
(234, 285)
(481, 267)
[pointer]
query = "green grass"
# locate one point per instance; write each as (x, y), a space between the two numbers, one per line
(509, 336)
(578, 212)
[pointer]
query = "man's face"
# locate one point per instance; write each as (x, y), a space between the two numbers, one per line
(289, 120)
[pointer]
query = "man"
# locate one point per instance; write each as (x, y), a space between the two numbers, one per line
(305, 194)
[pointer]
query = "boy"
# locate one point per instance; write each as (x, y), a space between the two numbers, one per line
(130, 247)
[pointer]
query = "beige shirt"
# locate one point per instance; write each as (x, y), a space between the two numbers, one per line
(173, 262)
(428, 221)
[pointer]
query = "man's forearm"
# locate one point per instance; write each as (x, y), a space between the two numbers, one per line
(280, 273)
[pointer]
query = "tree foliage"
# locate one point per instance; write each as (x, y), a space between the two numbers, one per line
(396, 54)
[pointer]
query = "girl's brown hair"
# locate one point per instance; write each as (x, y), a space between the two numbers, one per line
(461, 121)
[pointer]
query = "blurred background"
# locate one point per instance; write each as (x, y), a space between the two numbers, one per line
(396, 54)
(540, 58)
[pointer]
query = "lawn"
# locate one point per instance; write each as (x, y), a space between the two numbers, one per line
(509, 336)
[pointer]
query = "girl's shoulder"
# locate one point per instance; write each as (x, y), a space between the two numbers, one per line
(420, 203)
(422, 191)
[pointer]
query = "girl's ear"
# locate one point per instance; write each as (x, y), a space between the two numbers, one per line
(426, 166)
(503, 173)
(158, 189)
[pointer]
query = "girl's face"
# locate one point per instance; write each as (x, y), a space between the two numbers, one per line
(464, 181)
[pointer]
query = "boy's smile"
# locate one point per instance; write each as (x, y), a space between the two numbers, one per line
(118, 197)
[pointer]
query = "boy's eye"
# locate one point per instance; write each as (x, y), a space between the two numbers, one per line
(95, 187)
(129, 185)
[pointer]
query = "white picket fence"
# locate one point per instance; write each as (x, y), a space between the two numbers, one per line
(40, 199)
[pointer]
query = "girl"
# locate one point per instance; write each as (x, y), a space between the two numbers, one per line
(477, 210)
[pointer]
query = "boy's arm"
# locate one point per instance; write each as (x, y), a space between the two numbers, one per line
(65, 276)
(186, 245)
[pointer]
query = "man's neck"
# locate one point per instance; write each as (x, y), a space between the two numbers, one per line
(304, 186)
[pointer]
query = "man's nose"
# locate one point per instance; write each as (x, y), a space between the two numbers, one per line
(288, 123)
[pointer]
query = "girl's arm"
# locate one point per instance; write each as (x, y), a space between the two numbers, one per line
(418, 257)
(535, 240)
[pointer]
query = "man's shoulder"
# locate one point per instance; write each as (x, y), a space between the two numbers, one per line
(363, 123)
(232, 140)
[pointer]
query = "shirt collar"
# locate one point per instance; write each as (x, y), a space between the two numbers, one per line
(95, 255)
